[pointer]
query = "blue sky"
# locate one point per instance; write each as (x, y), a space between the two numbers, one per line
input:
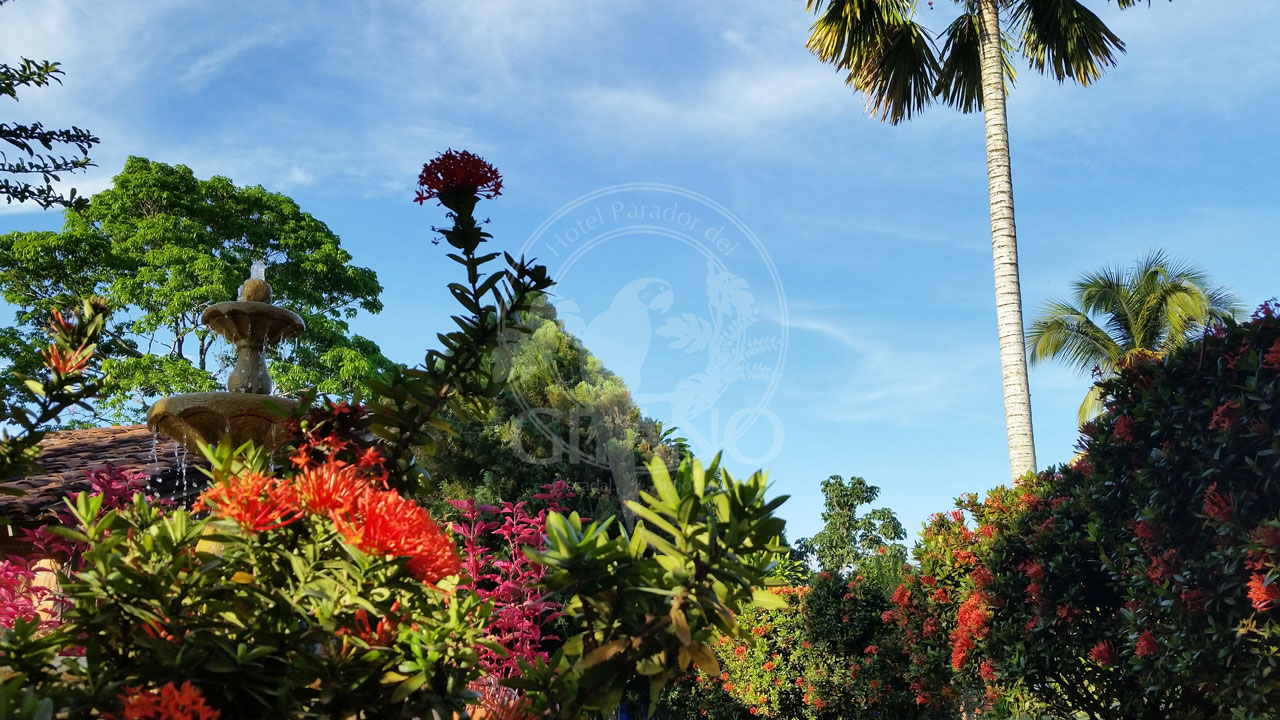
(870, 262)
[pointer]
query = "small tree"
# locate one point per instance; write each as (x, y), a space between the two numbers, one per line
(848, 539)
(43, 148)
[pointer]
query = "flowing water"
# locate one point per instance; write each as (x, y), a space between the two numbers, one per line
(153, 471)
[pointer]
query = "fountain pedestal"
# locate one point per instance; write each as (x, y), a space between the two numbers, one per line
(247, 411)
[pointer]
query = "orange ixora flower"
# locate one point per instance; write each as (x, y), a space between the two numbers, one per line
(166, 703)
(382, 522)
(256, 502)
(328, 487)
(1263, 596)
(66, 362)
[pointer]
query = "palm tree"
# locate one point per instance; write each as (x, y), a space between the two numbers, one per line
(1157, 306)
(894, 61)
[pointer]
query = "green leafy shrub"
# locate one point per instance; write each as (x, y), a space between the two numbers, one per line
(1143, 580)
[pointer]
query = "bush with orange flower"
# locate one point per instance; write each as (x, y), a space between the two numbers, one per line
(831, 652)
(323, 590)
(273, 604)
(66, 381)
(1145, 578)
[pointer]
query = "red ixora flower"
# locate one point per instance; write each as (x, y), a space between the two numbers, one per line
(1271, 360)
(1217, 507)
(256, 502)
(1103, 653)
(1226, 417)
(383, 522)
(1147, 644)
(381, 634)
(1263, 596)
(329, 487)
(453, 171)
(1146, 531)
(971, 626)
(1122, 431)
(1266, 535)
(166, 703)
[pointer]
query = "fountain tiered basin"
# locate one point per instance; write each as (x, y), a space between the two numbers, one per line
(207, 417)
(247, 411)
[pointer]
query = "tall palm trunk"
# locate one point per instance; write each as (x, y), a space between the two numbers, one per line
(1004, 249)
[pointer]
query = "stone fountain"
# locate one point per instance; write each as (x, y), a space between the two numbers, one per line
(247, 411)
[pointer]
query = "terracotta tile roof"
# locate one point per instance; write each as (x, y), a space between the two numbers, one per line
(66, 455)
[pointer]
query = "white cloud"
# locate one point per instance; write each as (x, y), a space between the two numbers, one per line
(736, 104)
(209, 64)
(876, 379)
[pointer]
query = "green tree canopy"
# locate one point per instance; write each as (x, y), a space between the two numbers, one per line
(161, 245)
(561, 416)
(1156, 305)
(849, 540)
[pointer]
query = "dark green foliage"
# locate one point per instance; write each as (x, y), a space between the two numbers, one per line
(651, 602)
(1164, 538)
(162, 245)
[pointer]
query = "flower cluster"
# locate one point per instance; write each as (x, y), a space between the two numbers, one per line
(336, 432)
(165, 703)
(505, 576)
(458, 172)
(20, 595)
(378, 522)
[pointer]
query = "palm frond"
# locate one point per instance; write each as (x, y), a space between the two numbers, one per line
(960, 77)
(899, 80)
(1066, 332)
(846, 31)
(885, 53)
(1107, 293)
(1065, 39)
(1093, 405)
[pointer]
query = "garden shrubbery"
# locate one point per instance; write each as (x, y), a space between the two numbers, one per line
(322, 589)
(1141, 581)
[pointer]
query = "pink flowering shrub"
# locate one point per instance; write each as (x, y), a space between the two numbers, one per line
(505, 576)
(20, 596)
(116, 486)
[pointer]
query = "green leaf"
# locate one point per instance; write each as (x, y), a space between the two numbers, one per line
(601, 654)
(766, 600)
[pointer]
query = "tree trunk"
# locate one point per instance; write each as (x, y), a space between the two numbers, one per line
(1004, 249)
